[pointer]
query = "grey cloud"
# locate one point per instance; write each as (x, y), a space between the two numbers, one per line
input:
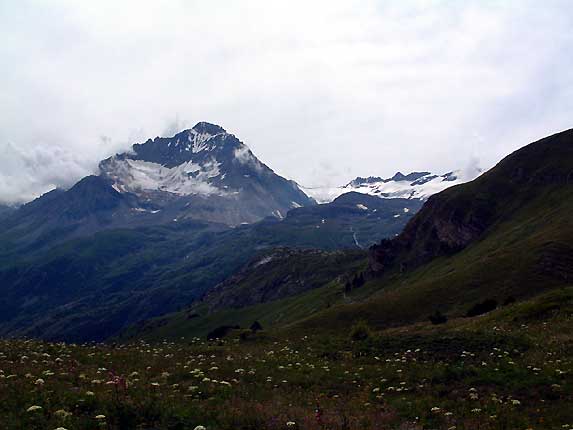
(175, 126)
(30, 171)
(366, 88)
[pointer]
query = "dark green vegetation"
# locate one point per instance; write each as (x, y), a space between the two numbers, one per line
(511, 369)
(90, 287)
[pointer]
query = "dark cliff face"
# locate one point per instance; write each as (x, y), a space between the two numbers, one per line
(456, 217)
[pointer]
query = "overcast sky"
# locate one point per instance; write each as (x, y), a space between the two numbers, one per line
(322, 91)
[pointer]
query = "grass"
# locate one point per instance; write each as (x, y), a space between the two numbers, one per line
(510, 369)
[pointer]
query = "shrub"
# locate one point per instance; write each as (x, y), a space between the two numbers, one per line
(438, 318)
(355, 282)
(509, 301)
(221, 331)
(360, 331)
(482, 308)
(256, 326)
(358, 281)
(245, 335)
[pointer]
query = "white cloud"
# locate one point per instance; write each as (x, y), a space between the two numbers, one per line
(30, 171)
(363, 88)
(244, 156)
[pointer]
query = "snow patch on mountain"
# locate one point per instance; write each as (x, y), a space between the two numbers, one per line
(138, 176)
(199, 141)
(416, 185)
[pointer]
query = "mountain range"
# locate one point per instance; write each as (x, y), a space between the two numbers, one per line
(158, 226)
(414, 185)
(203, 173)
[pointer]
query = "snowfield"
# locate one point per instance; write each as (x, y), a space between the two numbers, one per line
(421, 188)
(137, 176)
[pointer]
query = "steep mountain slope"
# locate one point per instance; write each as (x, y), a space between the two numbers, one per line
(89, 206)
(277, 287)
(507, 235)
(5, 210)
(86, 288)
(459, 216)
(280, 273)
(415, 185)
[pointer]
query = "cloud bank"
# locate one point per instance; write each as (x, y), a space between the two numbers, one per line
(321, 91)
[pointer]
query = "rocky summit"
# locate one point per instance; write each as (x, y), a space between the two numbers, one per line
(202, 173)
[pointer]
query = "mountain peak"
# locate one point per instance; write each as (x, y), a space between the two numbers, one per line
(208, 128)
(200, 132)
(203, 172)
(414, 185)
(413, 176)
